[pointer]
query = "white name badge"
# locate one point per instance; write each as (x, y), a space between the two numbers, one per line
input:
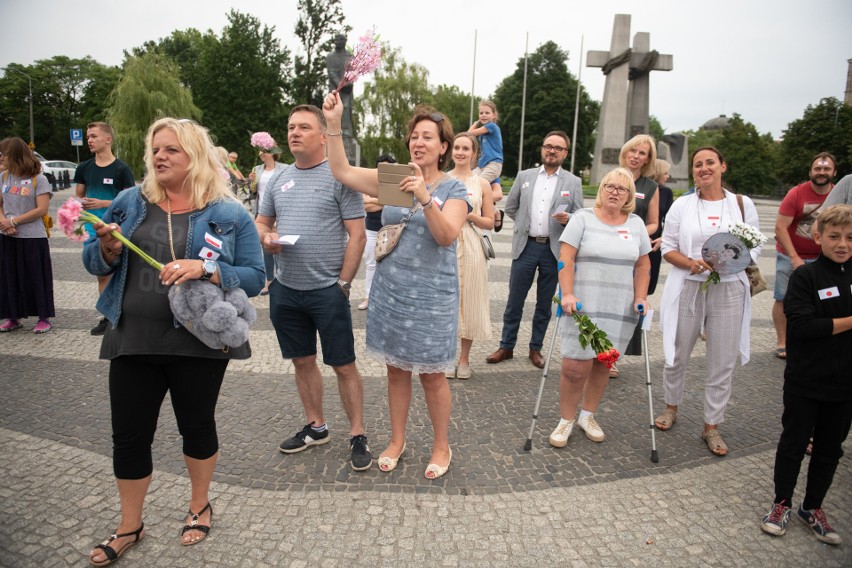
(566, 194)
(713, 221)
(206, 254)
(829, 293)
(212, 241)
(625, 235)
(640, 195)
(108, 181)
(288, 185)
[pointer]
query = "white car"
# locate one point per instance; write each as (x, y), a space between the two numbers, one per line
(56, 168)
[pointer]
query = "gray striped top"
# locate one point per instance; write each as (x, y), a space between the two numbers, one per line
(312, 204)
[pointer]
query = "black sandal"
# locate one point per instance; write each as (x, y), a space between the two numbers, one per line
(111, 554)
(498, 221)
(194, 526)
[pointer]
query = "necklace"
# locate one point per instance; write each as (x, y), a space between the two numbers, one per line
(700, 220)
(169, 221)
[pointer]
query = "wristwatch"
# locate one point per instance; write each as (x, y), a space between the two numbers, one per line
(208, 269)
(345, 286)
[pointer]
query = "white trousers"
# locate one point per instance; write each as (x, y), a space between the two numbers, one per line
(719, 311)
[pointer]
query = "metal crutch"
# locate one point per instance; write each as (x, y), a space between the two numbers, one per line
(528, 444)
(654, 457)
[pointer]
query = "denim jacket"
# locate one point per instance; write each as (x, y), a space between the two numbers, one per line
(240, 264)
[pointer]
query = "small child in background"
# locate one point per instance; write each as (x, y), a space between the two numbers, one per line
(490, 163)
(817, 381)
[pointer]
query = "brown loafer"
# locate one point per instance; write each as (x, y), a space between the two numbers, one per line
(499, 355)
(536, 358)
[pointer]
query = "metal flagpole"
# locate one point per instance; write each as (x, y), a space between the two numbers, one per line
(523, 105)
(576, 109)
(473, 78)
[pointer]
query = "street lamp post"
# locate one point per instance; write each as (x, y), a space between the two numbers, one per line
(30, 79)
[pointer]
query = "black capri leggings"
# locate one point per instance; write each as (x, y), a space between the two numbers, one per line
(137, 386)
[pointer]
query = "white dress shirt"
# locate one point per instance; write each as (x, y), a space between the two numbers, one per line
(542, 197)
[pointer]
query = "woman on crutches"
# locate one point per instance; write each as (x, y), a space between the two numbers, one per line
(605, 253)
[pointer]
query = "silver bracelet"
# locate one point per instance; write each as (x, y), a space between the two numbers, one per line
(334, 133)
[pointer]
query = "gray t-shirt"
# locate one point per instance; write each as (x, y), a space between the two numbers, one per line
(312, 204)
(19, 197)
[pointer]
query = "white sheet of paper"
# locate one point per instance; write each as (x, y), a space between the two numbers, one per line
(649, 318)
(288, 239)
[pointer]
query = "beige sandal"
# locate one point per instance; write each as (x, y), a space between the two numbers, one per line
(715, 442)
(387, 463)
(666, 420)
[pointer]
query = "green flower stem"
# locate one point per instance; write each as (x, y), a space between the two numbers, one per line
(91, 218)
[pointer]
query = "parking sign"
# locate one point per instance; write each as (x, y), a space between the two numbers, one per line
(76, 137)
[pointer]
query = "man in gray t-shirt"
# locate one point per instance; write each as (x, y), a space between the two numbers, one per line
(310, 292)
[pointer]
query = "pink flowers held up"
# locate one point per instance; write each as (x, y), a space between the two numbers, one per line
(365, 59)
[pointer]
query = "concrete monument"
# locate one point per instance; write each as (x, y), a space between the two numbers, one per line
(335, 65)
(624, 111)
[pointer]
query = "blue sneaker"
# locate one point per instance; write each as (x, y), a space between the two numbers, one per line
(816, 519)
(775, 521)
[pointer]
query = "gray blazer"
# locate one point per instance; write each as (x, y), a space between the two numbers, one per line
(568, 190)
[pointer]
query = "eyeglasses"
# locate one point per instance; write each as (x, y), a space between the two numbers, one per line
(612, 188)
(551, 148)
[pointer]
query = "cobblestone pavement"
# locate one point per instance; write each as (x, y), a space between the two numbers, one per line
(584, 505)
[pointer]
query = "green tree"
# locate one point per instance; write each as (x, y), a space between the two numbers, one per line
(655, 128)
(65, 92)
(241, 80)
(319, 21)
(826, 127)
(454, 103)
(383, 110)
(550, 102)
(149, 89)
(750, 157)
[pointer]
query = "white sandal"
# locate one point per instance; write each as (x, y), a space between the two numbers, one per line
(388, 464)
(438, 470)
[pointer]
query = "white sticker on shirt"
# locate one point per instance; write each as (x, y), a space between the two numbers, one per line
(108, 181)
(213, 241)
(640, 195)
(828, 293)
(26, 182)
(438, 202)
(206, 253)
(566, 193)
(624, 234)
(288, 185)
(526, 184)
(713, 221)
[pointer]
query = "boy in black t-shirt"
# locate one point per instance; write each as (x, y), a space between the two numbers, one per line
(817, 381)
(99, 180)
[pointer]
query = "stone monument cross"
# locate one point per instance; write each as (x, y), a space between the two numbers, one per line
(625, 106)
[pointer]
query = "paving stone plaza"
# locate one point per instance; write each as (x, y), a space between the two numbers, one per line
(586, 504)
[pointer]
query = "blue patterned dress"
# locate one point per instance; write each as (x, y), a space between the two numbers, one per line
(413, 316)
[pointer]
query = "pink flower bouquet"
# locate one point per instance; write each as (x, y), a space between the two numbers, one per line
(71, 213)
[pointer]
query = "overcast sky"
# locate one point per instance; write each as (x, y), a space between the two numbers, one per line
(766, 60)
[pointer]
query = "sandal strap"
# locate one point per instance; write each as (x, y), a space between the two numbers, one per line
(193, 524)
(110, 552)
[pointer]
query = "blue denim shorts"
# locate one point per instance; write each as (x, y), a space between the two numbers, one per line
(297, 316)
(783, 270)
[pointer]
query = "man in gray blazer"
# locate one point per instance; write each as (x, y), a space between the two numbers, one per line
(540, 202)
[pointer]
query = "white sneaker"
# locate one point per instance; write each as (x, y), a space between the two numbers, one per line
(559, 437)
(590, 426)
